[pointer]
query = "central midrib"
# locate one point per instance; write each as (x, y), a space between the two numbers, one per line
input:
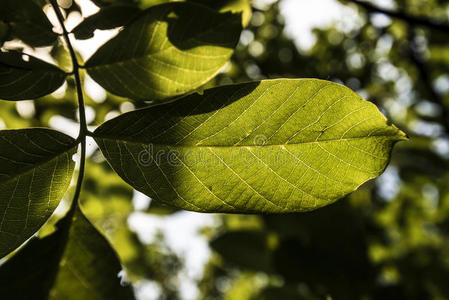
(106, 137)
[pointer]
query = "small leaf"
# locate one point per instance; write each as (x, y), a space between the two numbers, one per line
(28, 22)
(22, 79)
(271, 146)
(36, 168)
(107, 18)
(169, 50)
(74, 262)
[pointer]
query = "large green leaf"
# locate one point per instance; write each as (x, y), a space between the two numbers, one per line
(22, 79)
(270, 146)
(27, 22)
(36, 168)
(170, 49)
(75, 262)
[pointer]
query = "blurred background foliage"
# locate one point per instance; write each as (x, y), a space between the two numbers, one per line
(388, 240)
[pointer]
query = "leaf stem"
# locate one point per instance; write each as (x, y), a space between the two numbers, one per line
(82, 113)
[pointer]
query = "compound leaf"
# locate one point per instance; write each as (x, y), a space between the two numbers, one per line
(74, 262)
(36, 168)
(25, 77)
(169, 50)
(271, 146)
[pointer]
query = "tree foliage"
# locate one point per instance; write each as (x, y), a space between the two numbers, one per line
(246, 138)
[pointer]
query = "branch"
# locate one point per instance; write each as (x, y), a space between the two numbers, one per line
(426, 79)
(83, 124)
(421, 21)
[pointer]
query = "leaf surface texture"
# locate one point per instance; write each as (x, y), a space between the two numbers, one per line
(169, 50)
(22, 79)
(271, 146)
(36, 168)
(74, 262)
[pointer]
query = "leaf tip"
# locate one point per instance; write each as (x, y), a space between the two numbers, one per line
(401, 135)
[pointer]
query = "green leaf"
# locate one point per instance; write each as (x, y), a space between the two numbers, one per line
(169, 50)
(27, 79)
(107, 18)
(74, 262)
(28, 22)
(271, 146)
(36, 168)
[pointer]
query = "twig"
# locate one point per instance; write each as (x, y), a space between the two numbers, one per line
(426, 80)
(421, 21)
(83, 124)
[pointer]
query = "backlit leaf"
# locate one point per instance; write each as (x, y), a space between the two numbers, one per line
(270, 146)
(169, 50)
(25, 77)
(74, 262)
(36, 168)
